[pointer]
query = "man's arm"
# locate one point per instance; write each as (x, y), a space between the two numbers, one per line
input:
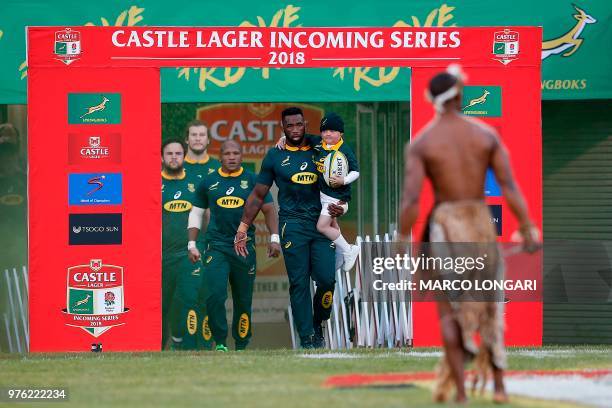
(251, 208)
(500, 164)
(272, 222)
(254, 203)
(196, 216)
(414, 174)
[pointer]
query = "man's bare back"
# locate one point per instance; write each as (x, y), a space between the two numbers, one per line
(456, 152)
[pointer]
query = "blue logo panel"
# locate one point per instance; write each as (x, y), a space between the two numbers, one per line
(491, 187)
(95, 188)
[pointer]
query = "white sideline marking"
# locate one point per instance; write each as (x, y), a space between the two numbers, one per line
(331, 356)
(574, 388)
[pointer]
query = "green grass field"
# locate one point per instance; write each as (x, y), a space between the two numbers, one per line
(255, 378)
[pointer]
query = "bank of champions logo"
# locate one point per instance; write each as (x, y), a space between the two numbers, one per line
(482, 101)
(94, 297)
(94, 108)
(505, 46)
(570, 39)
(95, 188)
(67, 46)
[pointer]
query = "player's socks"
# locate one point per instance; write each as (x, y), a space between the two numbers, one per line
(306, 342)
(341, 244)
(350, 258)
(221, 347)
(318, 341)
(339, 258)
(176, 343)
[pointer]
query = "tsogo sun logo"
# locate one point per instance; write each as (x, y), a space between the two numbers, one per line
(94, 297)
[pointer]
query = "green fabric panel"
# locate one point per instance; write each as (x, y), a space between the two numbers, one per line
(578, 70)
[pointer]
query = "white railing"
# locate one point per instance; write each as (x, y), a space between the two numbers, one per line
(369, 318)
(15, 318)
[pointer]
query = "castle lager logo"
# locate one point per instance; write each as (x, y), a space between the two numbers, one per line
(67, 46)
(94, 297)
(257, 126)
(94, 108)
(505, 46)
(87, 148)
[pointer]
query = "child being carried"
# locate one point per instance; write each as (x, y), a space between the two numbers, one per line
(338, 165)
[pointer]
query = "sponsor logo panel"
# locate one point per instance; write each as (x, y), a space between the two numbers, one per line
(94, 108)
(67, 45)
(505, 46)
(482, 101)
(85, 148)
(95, 229)
(95, 188)
(94, 297)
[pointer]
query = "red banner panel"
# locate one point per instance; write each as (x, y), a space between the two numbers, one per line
(508, 100)
(94, 118)
(95, 269)
(283, 47)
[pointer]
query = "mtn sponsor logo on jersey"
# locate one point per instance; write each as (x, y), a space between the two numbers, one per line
(230, 202)
(304, 177)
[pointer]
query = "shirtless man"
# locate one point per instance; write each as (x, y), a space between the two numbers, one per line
(454, 152)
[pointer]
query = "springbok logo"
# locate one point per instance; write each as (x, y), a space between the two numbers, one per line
(477, 101)
(94, 108)
(82, 301)
(99, 107)
(570, 39)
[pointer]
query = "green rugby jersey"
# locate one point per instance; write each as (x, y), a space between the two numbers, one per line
(202, 168)
(321, 151)
(225, 194)
(178, 193)
(295, 174)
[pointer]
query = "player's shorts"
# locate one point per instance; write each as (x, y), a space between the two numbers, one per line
(327, 200)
